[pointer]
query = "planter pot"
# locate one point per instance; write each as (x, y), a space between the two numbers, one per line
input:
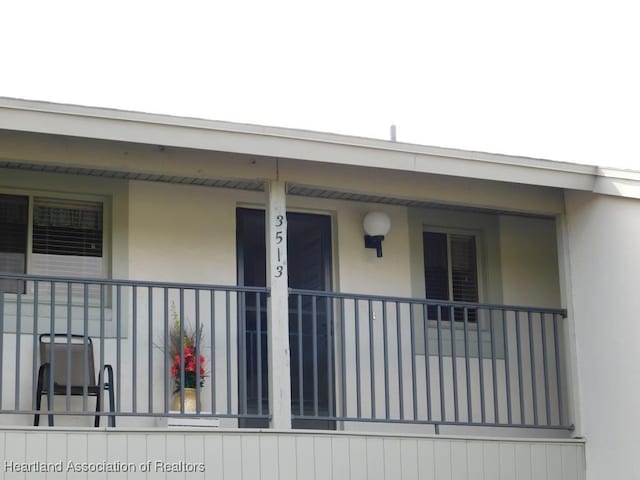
(190, 404)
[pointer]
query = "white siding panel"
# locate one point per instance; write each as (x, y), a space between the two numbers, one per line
(305, 457)
(213, 463)
(36, 448)
(287, 453)
(539, 462)
(116, 453)
(56, 451)
(156, 451)
(14, 451)
(459, 467)
(507, 461)
(379, 459)
(475, 461)
(77, 448)
(383, 458)
(358, 460)
(340, 453)
(554, 462)
(426, 462)
(97, 451)
(232, 456)
(569, 462)
(491, 460)
(523, 462)
(268, 457)
(323, 458)
(443, 459)
(251, 455)
(409, 455)
(194, 454)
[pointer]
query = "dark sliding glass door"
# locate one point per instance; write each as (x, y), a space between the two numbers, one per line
(309, 265)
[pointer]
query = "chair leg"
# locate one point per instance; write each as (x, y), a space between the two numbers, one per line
(112, 418)
(96, 423)
(36, 417)
(50, 406)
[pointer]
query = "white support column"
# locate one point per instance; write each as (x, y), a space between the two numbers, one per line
(278, 307)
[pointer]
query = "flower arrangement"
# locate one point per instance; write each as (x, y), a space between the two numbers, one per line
(191, 338)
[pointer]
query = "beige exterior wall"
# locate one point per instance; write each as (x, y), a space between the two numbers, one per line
(602, 278)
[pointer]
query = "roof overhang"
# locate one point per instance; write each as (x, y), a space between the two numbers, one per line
(154, 129)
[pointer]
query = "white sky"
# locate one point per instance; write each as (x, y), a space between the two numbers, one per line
(551, 79)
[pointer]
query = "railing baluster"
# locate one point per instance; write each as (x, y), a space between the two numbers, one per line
(483, 414)
(372, 374)
(167, 359)
(545, 366)
(506, 366)
(385, 348)
(427, 367)
(534, 396)
(102, 343)
(454, 362)
(443, 411)
(212, 362)
(516, 314)
(134, 348)
(556, 347)
(314, 344)
(259, 352)
(343, 359)
(300, 363)
(494, 374)
(400, 370)
(149, 346)
(242, 340)
(356, 311)
(330, 364)
(18, 341)
(85, 346)
(466, 364)
(228, 347)
(52, 340)
(182, 332)
(196, 293)
(119, 348)
(414, 383)
(35, 368)
(68, 392)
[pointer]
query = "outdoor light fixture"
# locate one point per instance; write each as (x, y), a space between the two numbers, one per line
(376, 226)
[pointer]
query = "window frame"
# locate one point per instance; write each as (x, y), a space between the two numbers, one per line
(27, 297)
(479, 244)
(106, 223)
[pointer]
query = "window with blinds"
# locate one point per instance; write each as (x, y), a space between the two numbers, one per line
(67, 238)
(451, 272)
(14, 215)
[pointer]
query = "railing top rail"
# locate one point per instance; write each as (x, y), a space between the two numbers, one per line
(426, 301)
(129, 283)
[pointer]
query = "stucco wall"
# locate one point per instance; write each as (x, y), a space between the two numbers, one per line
(602, 239)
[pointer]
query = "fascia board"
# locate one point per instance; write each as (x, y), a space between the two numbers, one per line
(116, 125)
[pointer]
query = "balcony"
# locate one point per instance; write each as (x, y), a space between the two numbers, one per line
(358, 362)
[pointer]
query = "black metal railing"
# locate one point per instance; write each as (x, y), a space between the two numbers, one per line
(132, 325)
(362, 358)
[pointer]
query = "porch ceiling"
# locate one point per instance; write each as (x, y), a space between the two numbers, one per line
(315, 192)
(240, 184)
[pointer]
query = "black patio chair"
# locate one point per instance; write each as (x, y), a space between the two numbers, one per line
(69, 371)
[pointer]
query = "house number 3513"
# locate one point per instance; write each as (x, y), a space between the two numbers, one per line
(279, 239)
